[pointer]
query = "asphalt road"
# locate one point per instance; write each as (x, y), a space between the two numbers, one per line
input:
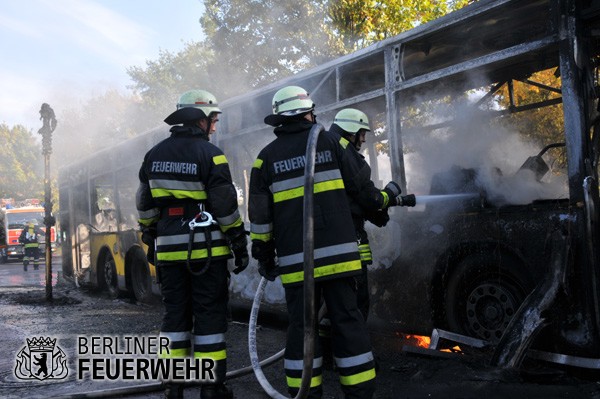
(76, 312)
(13, 275)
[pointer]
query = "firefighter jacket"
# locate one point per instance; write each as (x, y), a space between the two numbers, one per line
(369, 199)
(177, 175)
(371, 205)
(30, 237)
(276, 203)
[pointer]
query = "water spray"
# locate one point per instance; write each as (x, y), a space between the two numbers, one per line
(429, 199)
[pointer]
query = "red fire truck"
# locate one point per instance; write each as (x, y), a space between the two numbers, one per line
(14, 221)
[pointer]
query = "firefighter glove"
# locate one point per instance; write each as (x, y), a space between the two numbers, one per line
(148, 236)
(406, 200)
(392, 190)
(239, 247)
(268, 269)
(264, 253)
(378, 218)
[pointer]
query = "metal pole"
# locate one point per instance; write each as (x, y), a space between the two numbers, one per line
(49, 124)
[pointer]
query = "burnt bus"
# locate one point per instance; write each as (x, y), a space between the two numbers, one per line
(497, 175)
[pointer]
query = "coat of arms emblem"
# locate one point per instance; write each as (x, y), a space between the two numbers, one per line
(41, 359)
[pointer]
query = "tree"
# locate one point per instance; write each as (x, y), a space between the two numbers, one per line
(359, 23)
(542, 125)
(254, 42)
(21, 164)
(257, 42)
(161, 83)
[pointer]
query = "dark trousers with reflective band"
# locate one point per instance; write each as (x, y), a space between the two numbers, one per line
(197, 304)
(350, 340)
(31, 254)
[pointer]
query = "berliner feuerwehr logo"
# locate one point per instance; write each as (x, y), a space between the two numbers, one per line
(40, 360)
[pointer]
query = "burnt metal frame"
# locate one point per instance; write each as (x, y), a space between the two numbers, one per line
(559, 45)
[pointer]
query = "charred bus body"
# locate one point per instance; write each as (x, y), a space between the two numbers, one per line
(480, 242)
(441, 98)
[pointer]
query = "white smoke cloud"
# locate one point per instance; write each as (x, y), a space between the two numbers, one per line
(494, 153)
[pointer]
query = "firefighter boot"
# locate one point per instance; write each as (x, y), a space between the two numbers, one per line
(25, 263)
(173, 390)
(216, 391)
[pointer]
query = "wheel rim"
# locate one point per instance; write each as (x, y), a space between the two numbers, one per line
(489, 308)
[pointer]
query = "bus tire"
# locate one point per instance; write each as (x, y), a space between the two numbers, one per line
(141, 281)
(108, 276)
(484, 293)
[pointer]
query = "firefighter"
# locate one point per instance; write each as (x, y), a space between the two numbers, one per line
(353, 125)
(30, 237)
(275, 211)
(185, 182)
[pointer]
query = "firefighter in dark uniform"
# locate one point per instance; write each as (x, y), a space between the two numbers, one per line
(30, 237)
(185, 182)
(353, 125)
(275, 210)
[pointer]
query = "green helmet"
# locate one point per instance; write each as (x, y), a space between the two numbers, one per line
(292, 100)
(352, 120)
(200, 99)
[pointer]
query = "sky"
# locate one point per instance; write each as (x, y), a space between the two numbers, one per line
(64, 51)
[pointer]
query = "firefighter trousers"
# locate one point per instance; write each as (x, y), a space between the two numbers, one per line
(363, 300)
(350, 340)
(31, 254)
(195, 316)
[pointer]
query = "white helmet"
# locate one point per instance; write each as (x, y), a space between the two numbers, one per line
(292, 100)
(352, 120)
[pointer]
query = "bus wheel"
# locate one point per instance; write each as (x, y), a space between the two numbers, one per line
(483, 294)
(141, 283)
(109, 272)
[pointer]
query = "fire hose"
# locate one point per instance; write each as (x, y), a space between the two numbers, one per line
(309, 284)
(309, 307)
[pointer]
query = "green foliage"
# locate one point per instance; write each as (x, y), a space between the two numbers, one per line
(250, 43)
(257, 42)
(21, 164)
(359, 23)
(541, 125)
(160, 84)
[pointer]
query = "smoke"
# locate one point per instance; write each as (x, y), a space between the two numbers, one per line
(467, 153)
(473, 148)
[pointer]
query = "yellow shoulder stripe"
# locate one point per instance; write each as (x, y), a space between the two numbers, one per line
(219, 159)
